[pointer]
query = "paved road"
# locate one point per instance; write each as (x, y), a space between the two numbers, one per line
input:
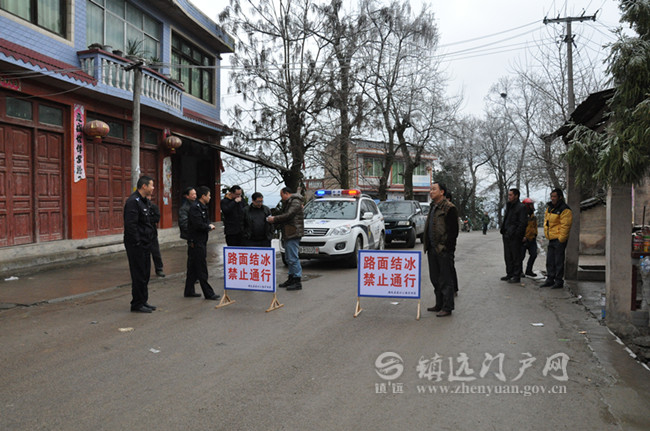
(311, 365)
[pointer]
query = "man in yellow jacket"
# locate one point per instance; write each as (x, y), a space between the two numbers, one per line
(557, 225)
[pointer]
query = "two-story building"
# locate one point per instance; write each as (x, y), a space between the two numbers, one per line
(367, 160)
(63, 64)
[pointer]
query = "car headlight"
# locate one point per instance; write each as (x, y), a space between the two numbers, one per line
(404, 223)
(341, 230)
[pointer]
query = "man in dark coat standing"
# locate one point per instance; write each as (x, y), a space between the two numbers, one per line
(155, 246)
(189, 196)
(232, 208)
(139, 232)
(257, 231)
(440, 235)
(513, 229)
(199, 227)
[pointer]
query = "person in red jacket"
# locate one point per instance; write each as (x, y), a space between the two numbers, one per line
(530, 239)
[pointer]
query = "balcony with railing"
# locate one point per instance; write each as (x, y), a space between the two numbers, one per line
(109, 70)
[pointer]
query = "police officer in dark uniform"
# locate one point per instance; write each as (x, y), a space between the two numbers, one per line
(199, 227)
(139, 232)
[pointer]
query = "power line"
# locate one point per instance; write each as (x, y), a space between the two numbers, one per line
(487, 35)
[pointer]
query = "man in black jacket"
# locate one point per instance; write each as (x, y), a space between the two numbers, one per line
(439, 241)
(189, 196)
(257, 231)
(513, 230)
(155, 246)
(232, 208)
(139, 232)
(199, 227)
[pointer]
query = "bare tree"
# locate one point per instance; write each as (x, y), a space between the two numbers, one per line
(344, 35)
(277, 69)
(390, 57)
(462, 158)
(499, 147)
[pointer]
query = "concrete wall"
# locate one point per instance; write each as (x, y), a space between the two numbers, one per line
(593, 229)
(641, 199)
(618, 278)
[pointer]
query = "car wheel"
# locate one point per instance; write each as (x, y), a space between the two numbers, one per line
(353, 260)
(382, 242)
(284, 260)
(410, 242)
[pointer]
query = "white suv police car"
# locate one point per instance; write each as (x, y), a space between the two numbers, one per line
(338, 223)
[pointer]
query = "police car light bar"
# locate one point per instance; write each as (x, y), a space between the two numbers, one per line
(338, 192)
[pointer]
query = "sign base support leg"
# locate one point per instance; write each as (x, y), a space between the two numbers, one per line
(225, 300)
(417, 317)
(274, 304)
(358, 310)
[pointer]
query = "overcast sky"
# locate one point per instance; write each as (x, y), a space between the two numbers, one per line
(482, 40)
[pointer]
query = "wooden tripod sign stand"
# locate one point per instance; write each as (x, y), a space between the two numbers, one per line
(249, 268)
(225, 300)
(389, 274)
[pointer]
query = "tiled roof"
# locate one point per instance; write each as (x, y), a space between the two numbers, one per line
(35, 58)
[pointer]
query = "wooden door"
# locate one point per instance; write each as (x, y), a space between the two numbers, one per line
(16, 197)
(108, 170)
(49, 185)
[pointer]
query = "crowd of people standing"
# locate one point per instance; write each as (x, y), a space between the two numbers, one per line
(245, 225)
(253, 225)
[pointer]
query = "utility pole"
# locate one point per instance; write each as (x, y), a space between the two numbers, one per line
(573, 192)
(135, 138)
(569, 41)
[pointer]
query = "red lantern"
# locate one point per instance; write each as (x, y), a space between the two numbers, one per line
(97, 130)
(172, 142)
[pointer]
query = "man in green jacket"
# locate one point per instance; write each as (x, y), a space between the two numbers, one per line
(292, 221)
(440, 234)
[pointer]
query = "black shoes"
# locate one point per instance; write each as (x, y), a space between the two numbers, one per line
(141, 309)
(192, 295)
(151, 307)
(443, 313)
(160, 273)
(296, 284)
(434, 309)
(505, 278)
(514, 280)
(531, 274)
(212, 298)
(557, 286)
(287, 283)
(547, 283)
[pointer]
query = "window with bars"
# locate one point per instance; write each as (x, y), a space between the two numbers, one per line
(124, 27)
(194, 68)
(49, 14)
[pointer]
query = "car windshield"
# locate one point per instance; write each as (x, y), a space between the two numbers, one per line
(395, 208)
(331, 210)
